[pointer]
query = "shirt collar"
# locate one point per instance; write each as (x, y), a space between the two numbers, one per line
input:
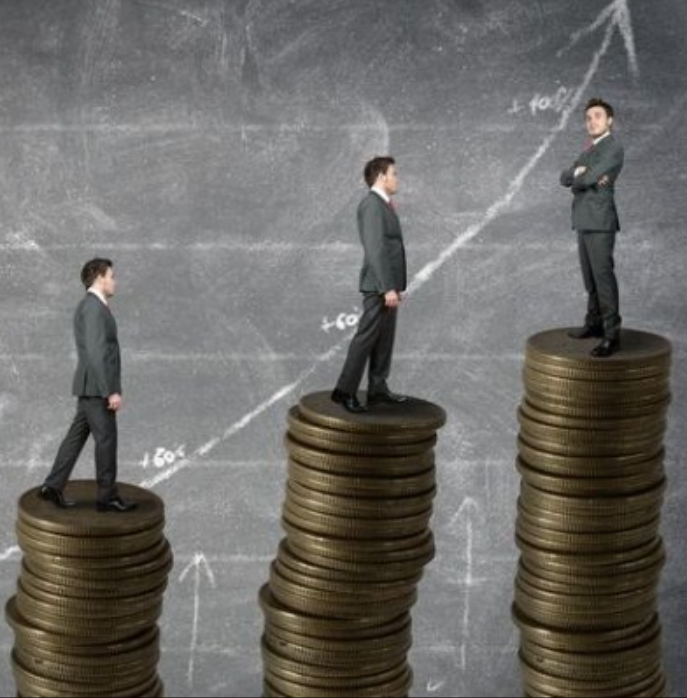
(380, 192)
(98, 295)
(601, 138)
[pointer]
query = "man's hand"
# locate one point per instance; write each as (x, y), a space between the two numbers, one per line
(579, 171)
(114, 402)
(392, 299)
(605, 181)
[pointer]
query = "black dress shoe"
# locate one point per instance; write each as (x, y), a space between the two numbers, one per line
(50, 494)
(587, 332)
(607, 348)
(387, 398)
(348, 401)
(116, 504)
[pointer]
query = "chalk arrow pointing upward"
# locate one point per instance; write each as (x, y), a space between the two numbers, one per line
(615, 16)
(200, 567)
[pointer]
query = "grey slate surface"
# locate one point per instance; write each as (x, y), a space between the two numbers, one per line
(213, 150)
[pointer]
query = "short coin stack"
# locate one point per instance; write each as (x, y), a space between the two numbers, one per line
(591, 456)
(358, 505)
(89, 596)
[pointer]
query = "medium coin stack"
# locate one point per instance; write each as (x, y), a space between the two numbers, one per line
(591, 457)
(89, 596)
(358, 504)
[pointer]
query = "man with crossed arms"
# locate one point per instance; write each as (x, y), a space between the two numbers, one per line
(592, 180)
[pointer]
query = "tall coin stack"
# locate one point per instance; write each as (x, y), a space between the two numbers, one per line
(358, 504)
(89, 596)
(591, 456)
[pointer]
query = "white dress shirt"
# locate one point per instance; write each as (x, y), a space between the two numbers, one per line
(380, 192)
(98, 295)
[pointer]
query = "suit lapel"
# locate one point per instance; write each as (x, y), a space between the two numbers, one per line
(389, 213)
(593, 154)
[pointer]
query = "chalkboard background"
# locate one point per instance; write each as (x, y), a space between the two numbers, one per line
(214, 150)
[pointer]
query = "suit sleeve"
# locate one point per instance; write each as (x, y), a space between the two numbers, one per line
(372, 236)
(610, 164)
(568, 177)
(95, 338)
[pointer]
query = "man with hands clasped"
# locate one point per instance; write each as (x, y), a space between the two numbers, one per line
(383, 278)
(97, 386)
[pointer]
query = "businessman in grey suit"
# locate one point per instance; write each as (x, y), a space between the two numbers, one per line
(592, 180)
(97, 385)
(383, 278)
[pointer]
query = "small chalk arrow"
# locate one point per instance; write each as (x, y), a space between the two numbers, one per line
(466, 515)
(200, 567)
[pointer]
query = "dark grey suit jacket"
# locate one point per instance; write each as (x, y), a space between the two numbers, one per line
(384, 265)
(98, 373)
(594, 204)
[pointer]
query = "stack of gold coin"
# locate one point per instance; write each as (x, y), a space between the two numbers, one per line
(591, 457)
(358, 504)
(89, 596)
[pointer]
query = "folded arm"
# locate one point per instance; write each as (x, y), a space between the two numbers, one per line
(602, 173)
(568, 177)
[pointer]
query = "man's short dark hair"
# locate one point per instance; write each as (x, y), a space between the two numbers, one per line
(93, 269)
(596, 102)
(376, 167)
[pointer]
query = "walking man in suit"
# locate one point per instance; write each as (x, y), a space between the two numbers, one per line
(592, 179)
(98, 387)
(382, 280)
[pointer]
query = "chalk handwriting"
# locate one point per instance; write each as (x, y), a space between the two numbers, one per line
(556, 102)
(343, 321)
(516, 107)
(163, 457)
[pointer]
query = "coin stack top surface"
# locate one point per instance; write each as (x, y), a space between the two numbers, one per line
(356, 514)
(591, 457)
(89, 596)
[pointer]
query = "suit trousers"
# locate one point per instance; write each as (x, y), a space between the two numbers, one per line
(92, 417)
(373, 343)
(598, 272)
